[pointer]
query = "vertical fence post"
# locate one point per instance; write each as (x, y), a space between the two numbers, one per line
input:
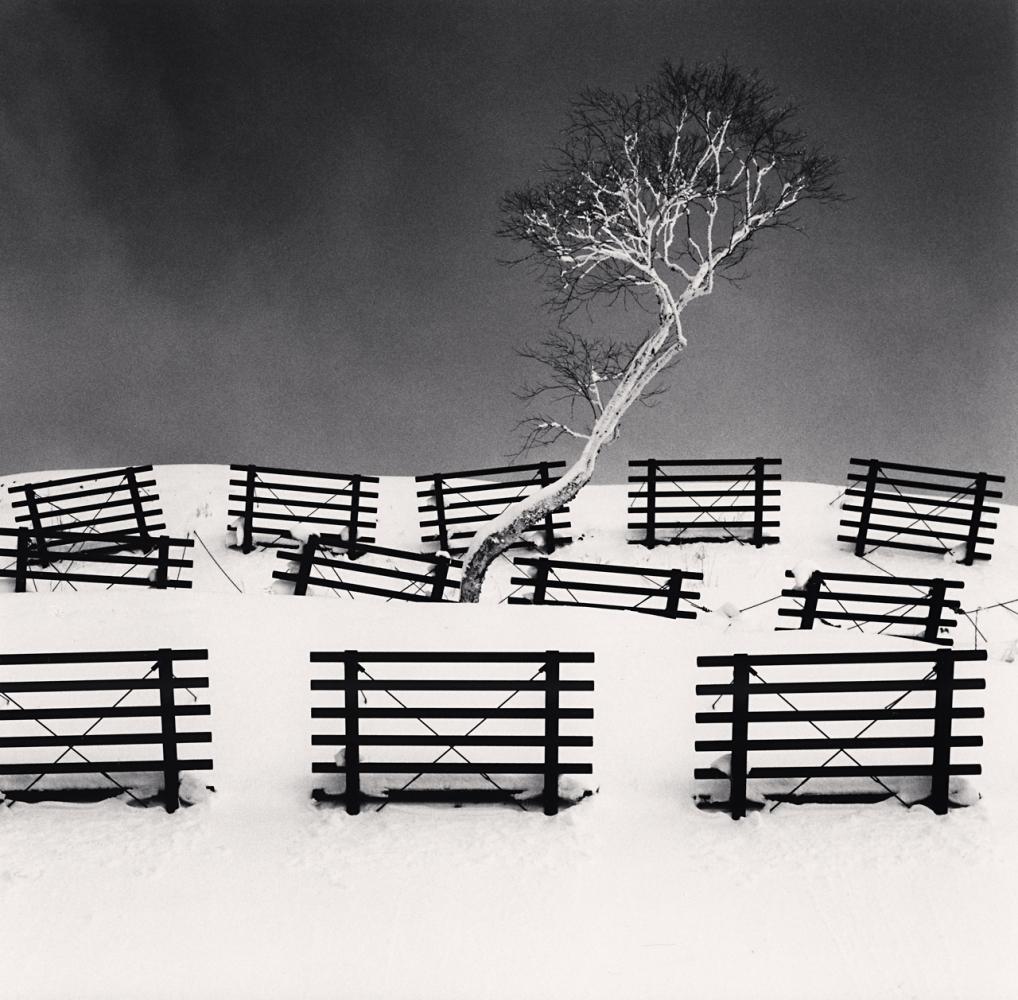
(304, 566)
(549, 524)
(247, 538)
(443, 530)
(355, 504)
(812, 592)
(551, 732)
(758, 502)
(167, 709)
(38, 530)
(978, 502)
(651, 537)
(163, 563)
(941, 778)
(541, 580)
(674, 593)
(740, 731)
(352, 756)
(938, 589)
(139, 511)
(438, 578)
(867, 507)
(21, 565)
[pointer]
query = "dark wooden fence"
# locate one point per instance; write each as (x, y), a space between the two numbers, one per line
(940, 680)
(116, 504)
(939, 512)
(22, 722)
(885, 600)
(320, 554)
(454, 505)
(689, 500)
(557, 582)
(273, 501)
(541, 691)
(160, 566)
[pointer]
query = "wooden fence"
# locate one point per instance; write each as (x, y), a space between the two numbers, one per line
(21, 722)
(274, 501)
(395, 582)
(156, 567)
(541, 691)
(884, 600)
(553, 578)
(940, 680)
(690, 500)
(454, 505)
(124, 508)
(942, 511)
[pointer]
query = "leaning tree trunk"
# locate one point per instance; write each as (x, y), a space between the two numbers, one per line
(651, 357)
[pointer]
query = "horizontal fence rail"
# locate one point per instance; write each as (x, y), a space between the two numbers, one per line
(914, 604)
(748, 686)
(115, 502)
(919, 508)
(269, 502)
(35, 701)
(687, 500)
(155, 561)
(426, 578)
(648, 591)
(367, 702)
(453, 506)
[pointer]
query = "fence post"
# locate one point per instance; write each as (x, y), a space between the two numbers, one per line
(163, 564)
(21, 565)
(812, 592)
(758, 511)
(355, 503)
(40, 532)
(938, 589)
(941, 777)
(171, 766)
(139, 511)
(541, 580)
(867, 507)
(674, 593)
(438, 578)
(651, 538)
(978, 501)
(352, 756)
(443, 530)
(551, 732)
(247, 539)
(740, 731)
(549, 524)
(307, 559)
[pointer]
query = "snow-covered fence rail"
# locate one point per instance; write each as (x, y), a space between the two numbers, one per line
(936, 678)
(42, 557)
(370, 703)
(453, 505)
(275, 502)
(34, 705)
(942, 512)
(884, 600)
(649, 591)
(690, 500)
(320, 554)
(117, 503)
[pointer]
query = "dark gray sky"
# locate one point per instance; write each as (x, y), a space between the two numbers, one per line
(265, 232)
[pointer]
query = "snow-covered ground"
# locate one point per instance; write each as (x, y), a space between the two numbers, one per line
(255, 892)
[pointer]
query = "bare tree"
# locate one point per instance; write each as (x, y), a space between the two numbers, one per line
(653, 197)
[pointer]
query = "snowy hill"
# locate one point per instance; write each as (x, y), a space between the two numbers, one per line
(254, 892)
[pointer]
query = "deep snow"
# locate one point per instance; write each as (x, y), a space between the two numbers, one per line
(254, 892)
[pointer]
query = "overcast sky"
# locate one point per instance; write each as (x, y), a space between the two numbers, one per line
(265, 232)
